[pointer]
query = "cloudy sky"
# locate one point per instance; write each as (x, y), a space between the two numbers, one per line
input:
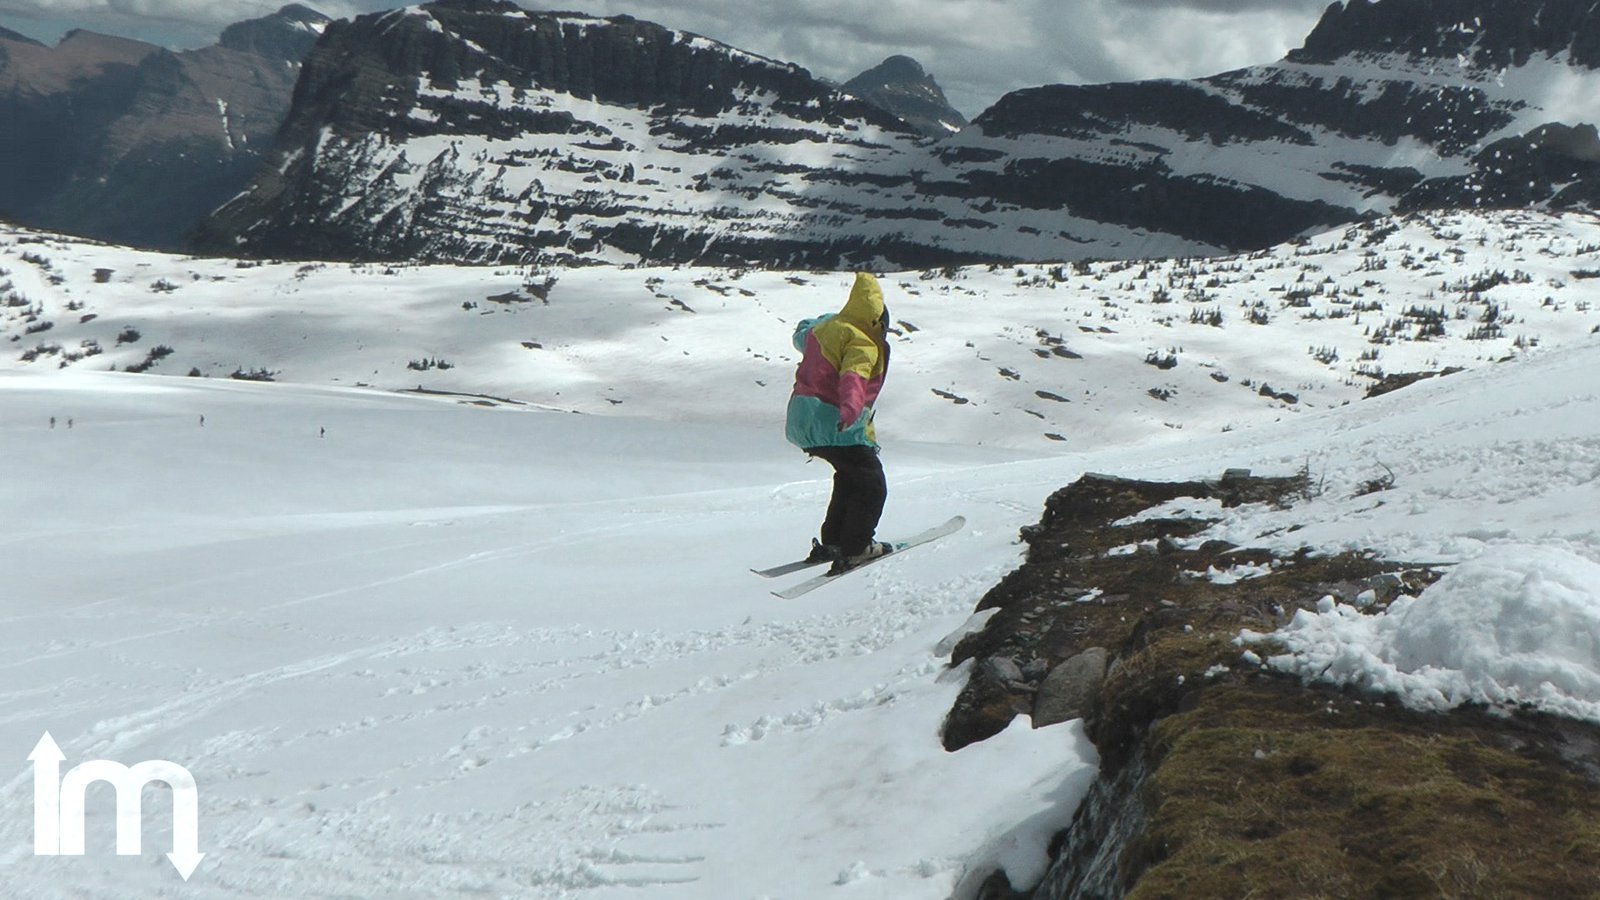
(977, 49)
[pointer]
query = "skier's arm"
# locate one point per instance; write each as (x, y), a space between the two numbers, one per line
(854, 372)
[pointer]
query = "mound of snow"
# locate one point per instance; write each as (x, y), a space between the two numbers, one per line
(1518, 625)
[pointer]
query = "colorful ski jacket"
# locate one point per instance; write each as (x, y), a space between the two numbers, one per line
(843, 361)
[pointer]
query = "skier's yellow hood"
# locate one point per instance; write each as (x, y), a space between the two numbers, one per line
(864, 309)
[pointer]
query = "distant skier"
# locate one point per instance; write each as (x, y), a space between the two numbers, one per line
(844, 358)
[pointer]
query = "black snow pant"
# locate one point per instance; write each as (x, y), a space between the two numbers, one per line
(859, 491)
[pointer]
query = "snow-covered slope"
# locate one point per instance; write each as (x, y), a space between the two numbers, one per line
(438, 650)
(1063, 357)
(409, 647)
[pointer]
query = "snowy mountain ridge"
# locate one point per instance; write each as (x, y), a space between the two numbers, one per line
(476, 132)
(477, 127)
(1070, 356)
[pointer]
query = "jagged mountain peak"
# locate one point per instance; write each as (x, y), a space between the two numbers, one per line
(476, 19)
(617, 60)
(85, 40)
(33, 69)
(901, 86)
(895, 69)
(288, 33)
(7, 34)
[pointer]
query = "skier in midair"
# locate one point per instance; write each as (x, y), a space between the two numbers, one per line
(844, 358)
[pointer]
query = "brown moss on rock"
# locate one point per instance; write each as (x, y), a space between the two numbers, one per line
(1222, 779)
(1266, 788)
(1089, 581)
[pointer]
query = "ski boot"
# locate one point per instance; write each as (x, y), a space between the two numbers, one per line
(821, 552)
(873, 550)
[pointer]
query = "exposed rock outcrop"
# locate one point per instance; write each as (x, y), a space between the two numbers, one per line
(1221, 779)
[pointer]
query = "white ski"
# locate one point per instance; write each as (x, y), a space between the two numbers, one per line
(798, 565)
(932, 534)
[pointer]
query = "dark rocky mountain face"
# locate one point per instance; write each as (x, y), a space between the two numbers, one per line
(473, 130)
(10, 36)
(1555, 166)
(127, 142)
(288, 34)
(901, 86)
(53, 103)
(1487, 33)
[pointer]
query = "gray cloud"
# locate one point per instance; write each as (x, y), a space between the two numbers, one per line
(977, 49)
(981, 49)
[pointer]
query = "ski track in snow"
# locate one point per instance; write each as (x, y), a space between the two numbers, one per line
(409, 725)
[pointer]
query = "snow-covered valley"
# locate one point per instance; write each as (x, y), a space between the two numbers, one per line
(1041, 358)
(434, 646)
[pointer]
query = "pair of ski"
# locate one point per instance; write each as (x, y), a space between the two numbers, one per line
(932, 534)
